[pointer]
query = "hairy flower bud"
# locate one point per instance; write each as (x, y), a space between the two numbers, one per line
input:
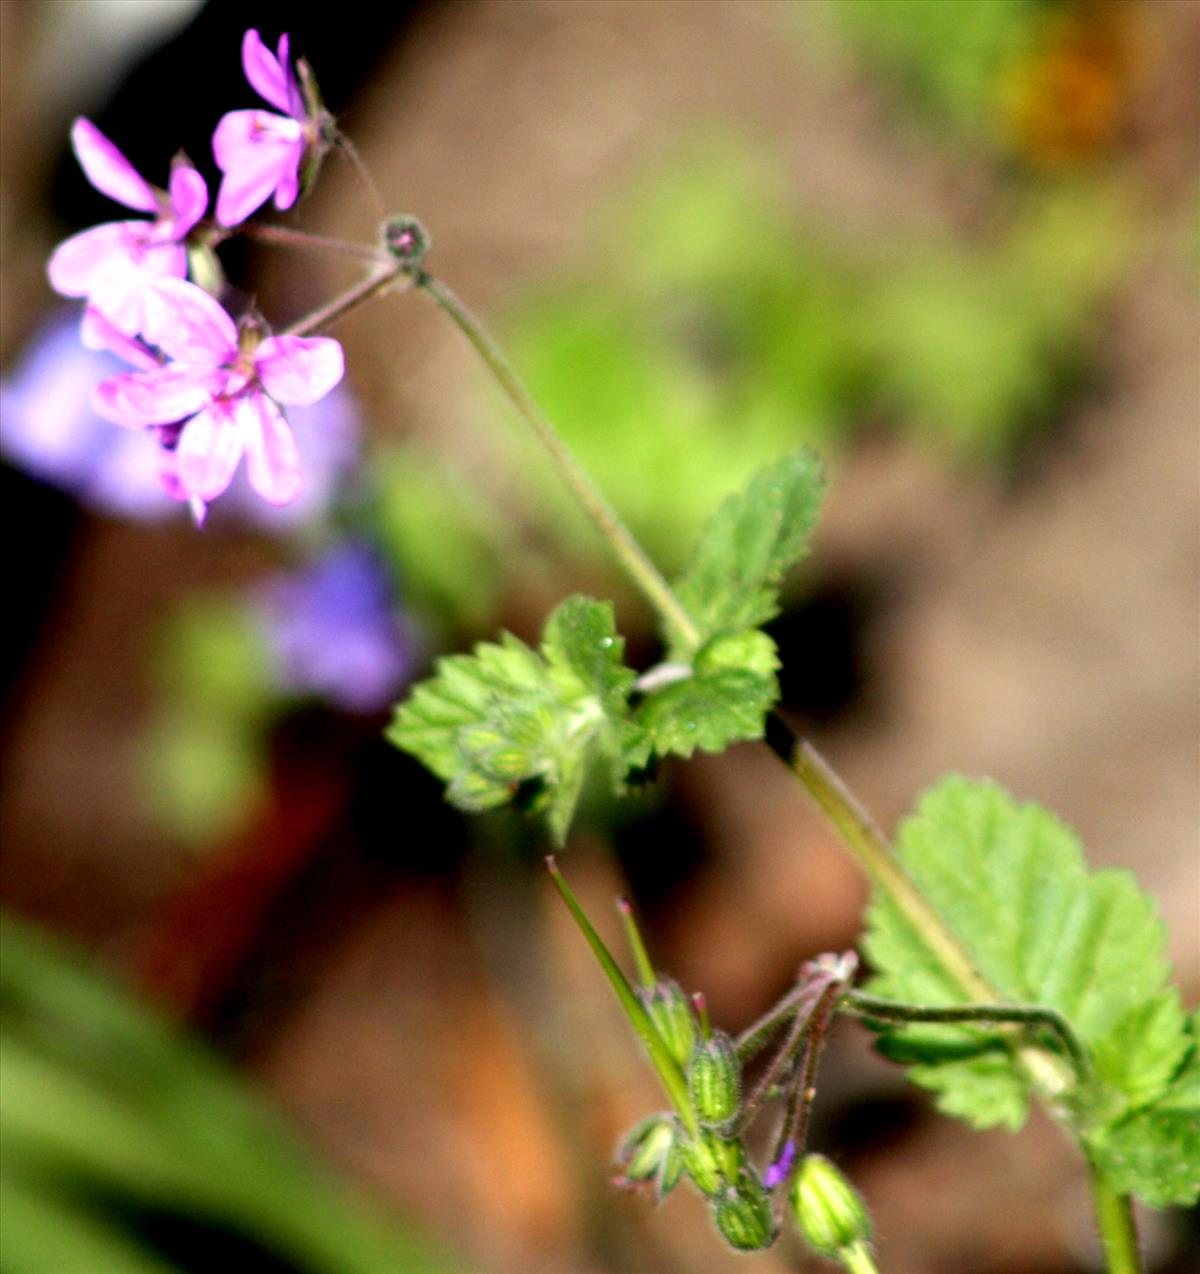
(406, 239)
(744, 1217)
(671, 1012)
(713, 1163)
(829, 1212)
(651, 1153)
(714, 1079)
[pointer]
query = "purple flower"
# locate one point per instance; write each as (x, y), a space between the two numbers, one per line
(223, 384)
(333, 630)
(778, 1171)
(258, 152)
(115, 264)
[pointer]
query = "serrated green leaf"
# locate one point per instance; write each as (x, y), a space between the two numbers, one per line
(581, 639)
(1011, 881)
(755, 536)
(508, 719)
(709, 711)
(1155, 1152)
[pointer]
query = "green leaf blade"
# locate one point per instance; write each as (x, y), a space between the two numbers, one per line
(1011, 882)
(751, 541)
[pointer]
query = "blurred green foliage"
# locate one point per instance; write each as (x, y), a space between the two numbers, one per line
(126, 1148)
(948, 58)
(203, 755)
(712, 328)
(441, 541)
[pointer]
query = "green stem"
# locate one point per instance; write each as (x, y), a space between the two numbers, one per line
(875, 855)
(1118, 1232)
(863, 1005)
(858, 1259)
(666, 1066)
(632, 556)
(633, 935)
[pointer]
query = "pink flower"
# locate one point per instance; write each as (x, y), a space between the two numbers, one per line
(260, 153)
(114, 265)
(223, 385)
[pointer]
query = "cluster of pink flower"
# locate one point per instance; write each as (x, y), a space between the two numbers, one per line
(210, 388)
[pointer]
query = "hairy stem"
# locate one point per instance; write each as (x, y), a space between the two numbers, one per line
(286, 237)
(863, 1005)
(630, 553)
(349, 300)
(1118, 1232)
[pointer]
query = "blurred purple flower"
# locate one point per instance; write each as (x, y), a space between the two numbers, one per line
(334, 630)
(258, 152)
(114, 264)
(49, 429)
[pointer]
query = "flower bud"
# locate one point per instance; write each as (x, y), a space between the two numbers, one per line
(671, 1012)
(652, 1153)
(744, 1217)
(829, 1211)
(713, 1163)
(715, 1079)
(406, 239)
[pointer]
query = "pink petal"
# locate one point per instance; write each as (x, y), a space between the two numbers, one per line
(288, 188)
(108, 170)
(295, 100)
(258, 152)
(210, 447)
(156, 397)
(79, 261)
(187, 324)
(113, 265)
(97, 331)
(189, 198)
(272, 462)
(267, 74)
(298, 370)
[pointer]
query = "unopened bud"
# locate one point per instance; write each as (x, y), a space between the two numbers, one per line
(671, 1012)
(744, 1217)
(829, 1211)
(406, 239)
(715, 1079)
(713, 1163)
(651, 1153)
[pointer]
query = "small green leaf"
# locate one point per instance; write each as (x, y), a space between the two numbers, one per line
(709, 710)
(1011, 881)
(755, 536)
(508, 719)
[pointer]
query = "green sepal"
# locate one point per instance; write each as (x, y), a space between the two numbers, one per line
(672, 1014)
(712, 1162)
(828, 1211)
(715, 1080)
(744, 1216)
(651, 1154)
